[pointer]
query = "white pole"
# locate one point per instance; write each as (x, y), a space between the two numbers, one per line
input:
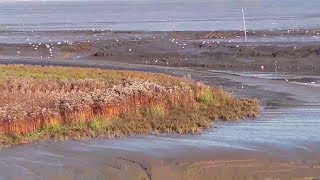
(244, 26)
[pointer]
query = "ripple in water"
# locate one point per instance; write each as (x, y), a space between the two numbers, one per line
(281, 128)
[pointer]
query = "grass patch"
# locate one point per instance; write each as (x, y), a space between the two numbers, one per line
(109, 104)
(206, 96)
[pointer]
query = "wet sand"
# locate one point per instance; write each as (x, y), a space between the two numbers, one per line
(283, 143)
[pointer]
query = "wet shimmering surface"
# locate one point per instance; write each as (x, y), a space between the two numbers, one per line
(282, 128)
(158, 15)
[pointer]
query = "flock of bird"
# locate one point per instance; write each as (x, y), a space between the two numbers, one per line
(50, 44)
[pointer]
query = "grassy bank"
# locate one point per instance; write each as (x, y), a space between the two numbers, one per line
(40, 103)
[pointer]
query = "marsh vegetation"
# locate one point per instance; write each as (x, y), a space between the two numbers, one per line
(39, 103)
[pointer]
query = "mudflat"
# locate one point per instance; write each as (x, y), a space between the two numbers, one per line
(282, 143)
(267, 51)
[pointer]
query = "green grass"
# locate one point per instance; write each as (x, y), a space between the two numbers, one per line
(206, 97)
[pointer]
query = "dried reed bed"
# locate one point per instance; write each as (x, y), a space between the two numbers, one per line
(57, 102)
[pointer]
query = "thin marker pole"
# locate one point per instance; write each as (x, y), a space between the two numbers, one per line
(244, 26)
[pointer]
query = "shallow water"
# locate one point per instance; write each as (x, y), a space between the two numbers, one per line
(286, 130)
(282, 128)
(158, 15)
(306, 80)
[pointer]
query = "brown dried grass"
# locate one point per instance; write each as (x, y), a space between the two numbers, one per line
(57, 102)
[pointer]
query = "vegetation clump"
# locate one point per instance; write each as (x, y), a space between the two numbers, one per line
(40, 103)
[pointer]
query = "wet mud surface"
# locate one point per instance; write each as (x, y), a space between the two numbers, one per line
(271, 51)
(283, 143)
